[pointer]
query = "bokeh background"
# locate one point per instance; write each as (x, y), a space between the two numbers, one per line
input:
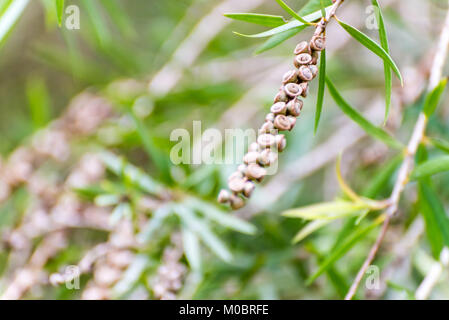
(85, 174)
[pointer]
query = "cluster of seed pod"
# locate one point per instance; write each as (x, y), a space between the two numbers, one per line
(282, 117)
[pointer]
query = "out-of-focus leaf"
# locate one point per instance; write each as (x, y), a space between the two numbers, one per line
(100, 27)
(433, 98)
(321, 87)
(278, 39)
(219, 216)
(366, 125)
(437, 222)
(343, 185)
(120, 18)
(203, 231)
(105, 200)
(372, 46)
(122, 210)
(327, 210)
(380, 179)
(39, 102)
(291, 12)
(430, 167)
(59, 10)
(131, 275)
(9, 14)
(154, 223)
(345, 246)
(256, 18)
(387, 70)
(309, 229)
(192, 249)
(440, 144)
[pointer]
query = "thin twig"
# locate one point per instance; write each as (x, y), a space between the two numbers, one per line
(408, 162)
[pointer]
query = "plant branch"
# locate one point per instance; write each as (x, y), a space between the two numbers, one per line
(408, 162)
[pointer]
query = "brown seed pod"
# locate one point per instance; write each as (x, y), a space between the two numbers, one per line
(318, 43)
(305, 89)
(292, 120)
(267, 157)
(254, 147)
(281, 97)
(251, 157)
(292, 90)
(248, 189)
(242, 169)
(314, 70)
(255, 172)
(236, 184)
(302, 59)
(294, 107)
(270, 117)
(266, 140)
(281, 142)
(304, 73)
(236, 202)
(315, 56)
(278, 108)
(290, 76)
(302, 47)
(267, 127)
(282, 123)
(236, 175)
(224, 196)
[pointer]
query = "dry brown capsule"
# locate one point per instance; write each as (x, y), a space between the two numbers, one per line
(302, 59)
(281, 142)
(242, 169)
(236, 202)
(280, 97)
(267, 157)
(292, 90)
(266, 140)
(248, 189)
(304, 73)
(318, 43)
(305, 89)
(251, 157)
(314, 70)
(255, 172)
(224, 196)
(282, 123)
(278, 108)
(292, 120)
(236, 175)
(302, 47)
(270, 117)
(294, 107)
(290, 76)
(236, 185)
(315, 56)
(267, 127)
(253, 147)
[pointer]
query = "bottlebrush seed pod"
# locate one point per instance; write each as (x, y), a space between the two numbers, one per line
(242, 169)
(314, 70)
(270, 117)
(236, 175)
(289, 76)
(255, 172)
(236, 184)
(266, 140)
(304, 73)
(315, 56)
(294, 107)
(253, 147)
(248, 189)
(281, 142)
(224, 196)
(292, 90)
(267, 127)
(302, 47)
(282, 123)
(302, 59)
(292, 120)
(281, 96)
(318, 43)
(279, 108)
(267, 157)
(236, 202)
(251, 157)
(304, 89)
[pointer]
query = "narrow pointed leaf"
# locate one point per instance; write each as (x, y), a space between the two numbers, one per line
(59, 10)
(431, 167)
(256, 18)
(192, 248)
(366, 125)
(372, 46)
(326, 210)
(433, 98)
(309, 229)
(154, 223)
(440, 144)
(321, 87)
(277, 39)
(291, 11)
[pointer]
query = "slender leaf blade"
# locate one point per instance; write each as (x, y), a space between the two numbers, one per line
(59, 10)
(433, 98)
(326, 210)
(321, 87)
(430, 167)
(291, 11)
(257, 18)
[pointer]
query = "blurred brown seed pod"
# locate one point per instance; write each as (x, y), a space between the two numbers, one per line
(304, 89)
(267, 127)
(255, 172)
(281, 142)
(224, 196)
(281, 97)
(304, 73)
(294, 107)
(302, 47)
(318, 43)
(279, 108)
(292, 120)
(290, 76)
(282, 123)
(236, 184)
(302, 59)
(292, 90)
(248, 189)
(251, 157)
(266, 140)
(236, 202)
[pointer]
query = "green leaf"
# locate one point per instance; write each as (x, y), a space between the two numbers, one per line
(440, 144)
(9, 14)
(371, 129)
(309, 229)
(314, 5)
(59, 10)
(154, 223)
(321, 87)
(387, 71)
(437, 222)
(222, 218)
(192, 248)
(433, 98)
(326, 210)
(278, 39)
(105, 200)
(344, 247)
(291, 12)
(256, 18)
(372, 46)
(288, 26)
(38, 101)
(430, 167)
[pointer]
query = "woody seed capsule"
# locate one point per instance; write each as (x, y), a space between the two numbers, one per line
(248, 189)
(223, 196)
(280, 97)
(281, 142)
(278, 108)
(266, 140)
(267, 157)
(302, 59)
(253, 147)
(242, 169)
(318, 43)
(302, 47)
(267, 127)
(305, 89)
(236, 175)
(292, 90)
(255, 172)
(294, 107)
(282, 123)
(236, 202)
(314, 69)
(251, 157)
(236, 185)
(315, 57)
(292, 120)
(304, 73)
(270, 117)
(290, 76)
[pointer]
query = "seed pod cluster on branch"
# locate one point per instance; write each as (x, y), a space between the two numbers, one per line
(282, 117)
